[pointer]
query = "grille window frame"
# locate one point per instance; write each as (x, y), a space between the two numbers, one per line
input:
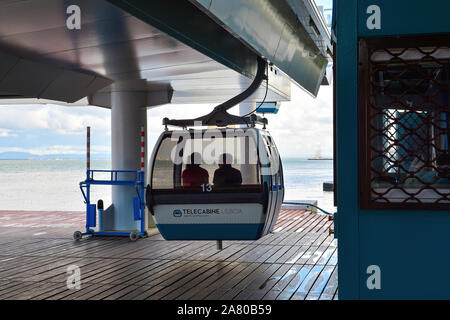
(396, 126)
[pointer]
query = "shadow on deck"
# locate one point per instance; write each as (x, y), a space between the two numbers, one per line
(297, 261)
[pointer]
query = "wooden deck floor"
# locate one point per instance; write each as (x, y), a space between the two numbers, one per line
(297, 261)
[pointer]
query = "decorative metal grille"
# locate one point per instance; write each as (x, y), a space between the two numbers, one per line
(405, 124)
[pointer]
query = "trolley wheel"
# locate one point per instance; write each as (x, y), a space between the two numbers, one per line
(77, 235)
(134, 236)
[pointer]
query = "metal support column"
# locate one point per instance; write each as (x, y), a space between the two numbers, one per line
(128, 114)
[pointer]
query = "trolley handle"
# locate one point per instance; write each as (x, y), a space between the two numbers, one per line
(84, 194)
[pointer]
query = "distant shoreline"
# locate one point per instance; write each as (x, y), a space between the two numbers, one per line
(26, 159)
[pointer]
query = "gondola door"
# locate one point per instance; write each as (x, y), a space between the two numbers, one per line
(278, 184)
(271, 182)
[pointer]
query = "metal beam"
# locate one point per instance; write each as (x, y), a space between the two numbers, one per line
(286, 32)
(185, 22)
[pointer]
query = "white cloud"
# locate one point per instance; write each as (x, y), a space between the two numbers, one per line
(301, 127)
(6, 133)
(304, 125)
(64, 120)
(58, 149)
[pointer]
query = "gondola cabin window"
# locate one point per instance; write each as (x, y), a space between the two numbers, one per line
(207, 161)
(405, 123)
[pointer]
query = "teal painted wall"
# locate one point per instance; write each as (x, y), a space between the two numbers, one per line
(410, 247)
(347, 148)
(406, 17)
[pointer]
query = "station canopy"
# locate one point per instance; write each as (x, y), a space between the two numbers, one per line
(180, 51)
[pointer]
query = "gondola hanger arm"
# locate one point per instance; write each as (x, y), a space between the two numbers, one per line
(219, 116)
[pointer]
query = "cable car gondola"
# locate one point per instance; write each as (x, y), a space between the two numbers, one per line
(224, 183)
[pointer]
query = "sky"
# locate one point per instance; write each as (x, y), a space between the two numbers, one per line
(324, 3)
(302, 127)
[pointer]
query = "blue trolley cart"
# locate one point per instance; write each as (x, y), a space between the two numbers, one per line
(138, 202)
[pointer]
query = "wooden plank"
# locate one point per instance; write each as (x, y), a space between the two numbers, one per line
(58, 271)
(116, 269)
(294, 284)
(22, 287)
(120, 293)
(256, 291)
(308, 282)
(293, 239)
(94, 290)
(320, 240)
(35, 289)
(5, 284)
(297, 262)
(185, 252)
(226, 283)
(307, 255)
(205, 254)
(285, 223)
(258, 282)
(95, 268)
(254, 253)
(272, 250)
(315, 257)
(240, 253)
(300, 224)
(170, 278)
(297, 254)
(227, 251)
(75, 248)
(97, 275)
(139, 270)
(139, 293)
(60, 289)
(289, 254)
(23, 264)
(202, 289)
(22, 267)
(328, 240)
(283, 282)
(257, 275)
(33, 273)
(326, 255)
(281, 236)
(320, 283)
(304, 226)
(331, 286)
(10, 287)
(112, 291)
(119, 275)
(189, 281)
(333, 259)
(154, 271)
(278, 254)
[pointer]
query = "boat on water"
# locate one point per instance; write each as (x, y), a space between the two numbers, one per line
(318, 156)
(329, 159)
